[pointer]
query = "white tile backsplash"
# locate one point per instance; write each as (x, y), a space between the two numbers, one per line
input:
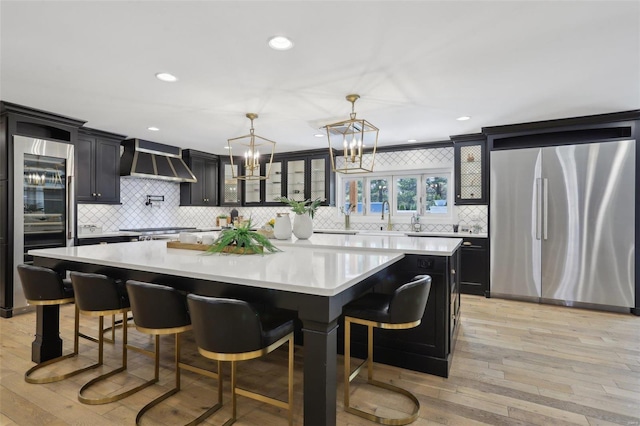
(133, 213)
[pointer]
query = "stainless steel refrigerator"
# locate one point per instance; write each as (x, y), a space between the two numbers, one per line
(563, 224)
(43, 201)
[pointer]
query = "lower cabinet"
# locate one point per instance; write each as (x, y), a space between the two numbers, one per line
(474, 268)
(428, 347)
(105, 240)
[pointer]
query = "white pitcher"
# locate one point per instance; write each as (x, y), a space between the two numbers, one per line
(282, 227)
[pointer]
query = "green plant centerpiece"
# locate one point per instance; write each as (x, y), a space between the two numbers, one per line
(242, 240)
(302, 207)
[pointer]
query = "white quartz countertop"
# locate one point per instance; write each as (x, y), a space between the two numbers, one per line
(368, 242)
(306, 269)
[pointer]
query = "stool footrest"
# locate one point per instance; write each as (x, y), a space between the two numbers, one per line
(112, 398)
(385, 420)
(51, 379)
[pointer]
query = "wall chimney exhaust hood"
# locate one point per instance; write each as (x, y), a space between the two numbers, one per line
(151, 160)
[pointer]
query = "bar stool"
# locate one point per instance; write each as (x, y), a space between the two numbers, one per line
(98, 295)
(160, 310)
(43, 286)
(401, 310)
(232, 330)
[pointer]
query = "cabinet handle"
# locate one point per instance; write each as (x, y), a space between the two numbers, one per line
(453, 272)
(99, 194)
(466, 243)
(458, 195)
(93, 194)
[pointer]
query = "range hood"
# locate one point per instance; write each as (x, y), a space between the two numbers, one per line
(151, 160)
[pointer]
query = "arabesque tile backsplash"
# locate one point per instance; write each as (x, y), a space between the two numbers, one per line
(134, 213)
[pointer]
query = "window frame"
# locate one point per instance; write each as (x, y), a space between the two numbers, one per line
(367, 216)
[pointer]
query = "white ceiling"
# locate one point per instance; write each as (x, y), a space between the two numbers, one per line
(417, 65)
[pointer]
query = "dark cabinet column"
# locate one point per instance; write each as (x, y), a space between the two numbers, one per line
(470, 159)
(204, 192)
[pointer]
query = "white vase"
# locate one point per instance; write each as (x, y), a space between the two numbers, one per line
(302, 226)
(282, 227)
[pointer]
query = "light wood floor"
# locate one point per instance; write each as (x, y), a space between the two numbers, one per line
(515, 363)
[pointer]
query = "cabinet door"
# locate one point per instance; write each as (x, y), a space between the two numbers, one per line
(210, 179)
(473, 271)
(230, 186)
(273, 185)
(470, 169)
(107, 166)
(296, 180)
(196, 189)
(318, 179)
(85, 173)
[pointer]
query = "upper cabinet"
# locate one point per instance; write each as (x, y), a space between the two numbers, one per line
(98, 171)
(230, 194)
(204, 192)
(308, 176)
(298, 175)
(470, 169)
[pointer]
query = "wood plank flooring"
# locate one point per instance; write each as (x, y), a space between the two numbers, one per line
(515, 363)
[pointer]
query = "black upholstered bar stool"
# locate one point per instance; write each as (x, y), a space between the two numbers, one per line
(401, 310)
(232, 330)
(43, 286)
(161, 310)
(98, 296)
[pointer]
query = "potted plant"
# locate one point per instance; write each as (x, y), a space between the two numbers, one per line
(304, 210)
(241, 240)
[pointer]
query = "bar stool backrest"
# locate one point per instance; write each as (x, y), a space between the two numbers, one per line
(157, 306)
(40, 283)
(225, 325)
(410, 300)
(96, 292)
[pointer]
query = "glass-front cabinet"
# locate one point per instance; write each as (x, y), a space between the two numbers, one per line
(470, 169)
(229, 186)
(273, 185)
(298, 176)
(296, 180)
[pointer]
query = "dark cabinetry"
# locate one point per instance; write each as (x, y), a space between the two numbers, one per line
(470, 169)
(204, 192)
(474, 266)
(105, 240)
(428, 347)
(24, 121)
(98, 171)
(307, 176)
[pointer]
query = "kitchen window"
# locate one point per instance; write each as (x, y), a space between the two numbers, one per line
(426, 193)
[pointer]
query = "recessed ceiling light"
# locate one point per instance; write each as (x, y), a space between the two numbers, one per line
(153, 129)
(280, 43)
(463, 118)
(412, 140)
(165, 76)
(319, 135)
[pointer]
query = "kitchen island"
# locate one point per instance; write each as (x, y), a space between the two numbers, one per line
(315, 281)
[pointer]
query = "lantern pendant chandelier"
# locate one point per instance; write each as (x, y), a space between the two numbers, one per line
(352, 139)
(249, 147)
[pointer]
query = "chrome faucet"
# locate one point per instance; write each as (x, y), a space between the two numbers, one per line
(388, 220)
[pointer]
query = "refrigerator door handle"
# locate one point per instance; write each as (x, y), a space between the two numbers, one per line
(70, 205)
(538, 208)
(545, 207)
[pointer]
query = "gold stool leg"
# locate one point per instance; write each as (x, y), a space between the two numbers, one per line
(370, 380)
(122, 395)
(51, 379)
(178, 365)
